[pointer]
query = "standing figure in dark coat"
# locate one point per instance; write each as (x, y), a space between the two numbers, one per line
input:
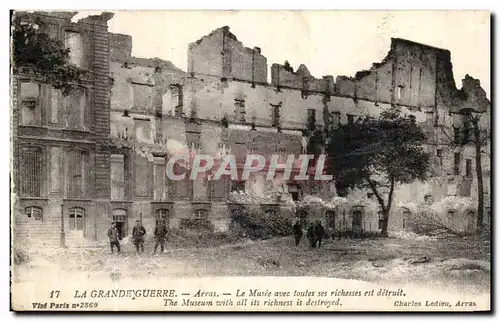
(160, 235)
(320, 233)
(138, 236)
(311, 235)
(113, 236)
(297, 232)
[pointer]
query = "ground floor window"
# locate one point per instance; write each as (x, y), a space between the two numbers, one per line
(200, 214)
(34, 211)
(380, 219)
(270, 212)
(76, 217)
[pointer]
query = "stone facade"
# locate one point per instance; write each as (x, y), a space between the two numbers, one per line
(60, 144)
(143, 111)
(270, 117)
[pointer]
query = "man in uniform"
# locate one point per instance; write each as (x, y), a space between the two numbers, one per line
(320, 233)
(311, 235)
(113, 236)
(138, 236)
(160, 235)
(297, 232)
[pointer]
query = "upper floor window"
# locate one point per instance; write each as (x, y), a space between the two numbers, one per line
(456, 135)
(456, 165)
(350, 119)
(311, 118)
(29, 101)
(76, 182)
(334, 120)
(276, 114)
(193, 139)
(74, 41)
(142, 95)
(160, 183)
(467, 131)
(239, 110)
(399, 90)
(117, 172)
(30, 169)
(177, 98)
(75, 106)
(468, 168)
(439, 154)
(142, 129)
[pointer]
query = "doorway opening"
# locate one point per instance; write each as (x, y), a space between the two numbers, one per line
(120, 219)
(330, 219)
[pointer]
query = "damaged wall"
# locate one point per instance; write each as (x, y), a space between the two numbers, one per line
(406, 76)
(228, 80)
(284, 76)
(215, 99)
(221, 54)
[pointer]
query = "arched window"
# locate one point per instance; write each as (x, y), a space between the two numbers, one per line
(451, 214)
(270, 212)
(200, 214)
(34, 211)
(76, 217)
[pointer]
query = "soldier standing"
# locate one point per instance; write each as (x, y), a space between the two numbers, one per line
(297, 232)
(311, 235)
(138, 235)
(160, 235)
(113, 236)
(320, 233)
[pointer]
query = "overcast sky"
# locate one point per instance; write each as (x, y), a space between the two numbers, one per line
(327, 42)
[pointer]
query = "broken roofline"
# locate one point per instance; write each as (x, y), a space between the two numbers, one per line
(359, 75)
(176, 167)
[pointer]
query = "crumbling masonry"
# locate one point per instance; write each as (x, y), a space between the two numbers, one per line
(223, 103)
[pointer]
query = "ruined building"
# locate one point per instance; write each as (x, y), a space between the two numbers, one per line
(224, 104)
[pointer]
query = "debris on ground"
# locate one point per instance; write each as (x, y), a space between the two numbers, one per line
(455, 261)
(422, 259)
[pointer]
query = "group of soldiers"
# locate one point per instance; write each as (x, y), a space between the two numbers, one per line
(315, 233)
(138, 234)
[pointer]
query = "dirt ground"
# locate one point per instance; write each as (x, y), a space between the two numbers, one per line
(462, 263)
